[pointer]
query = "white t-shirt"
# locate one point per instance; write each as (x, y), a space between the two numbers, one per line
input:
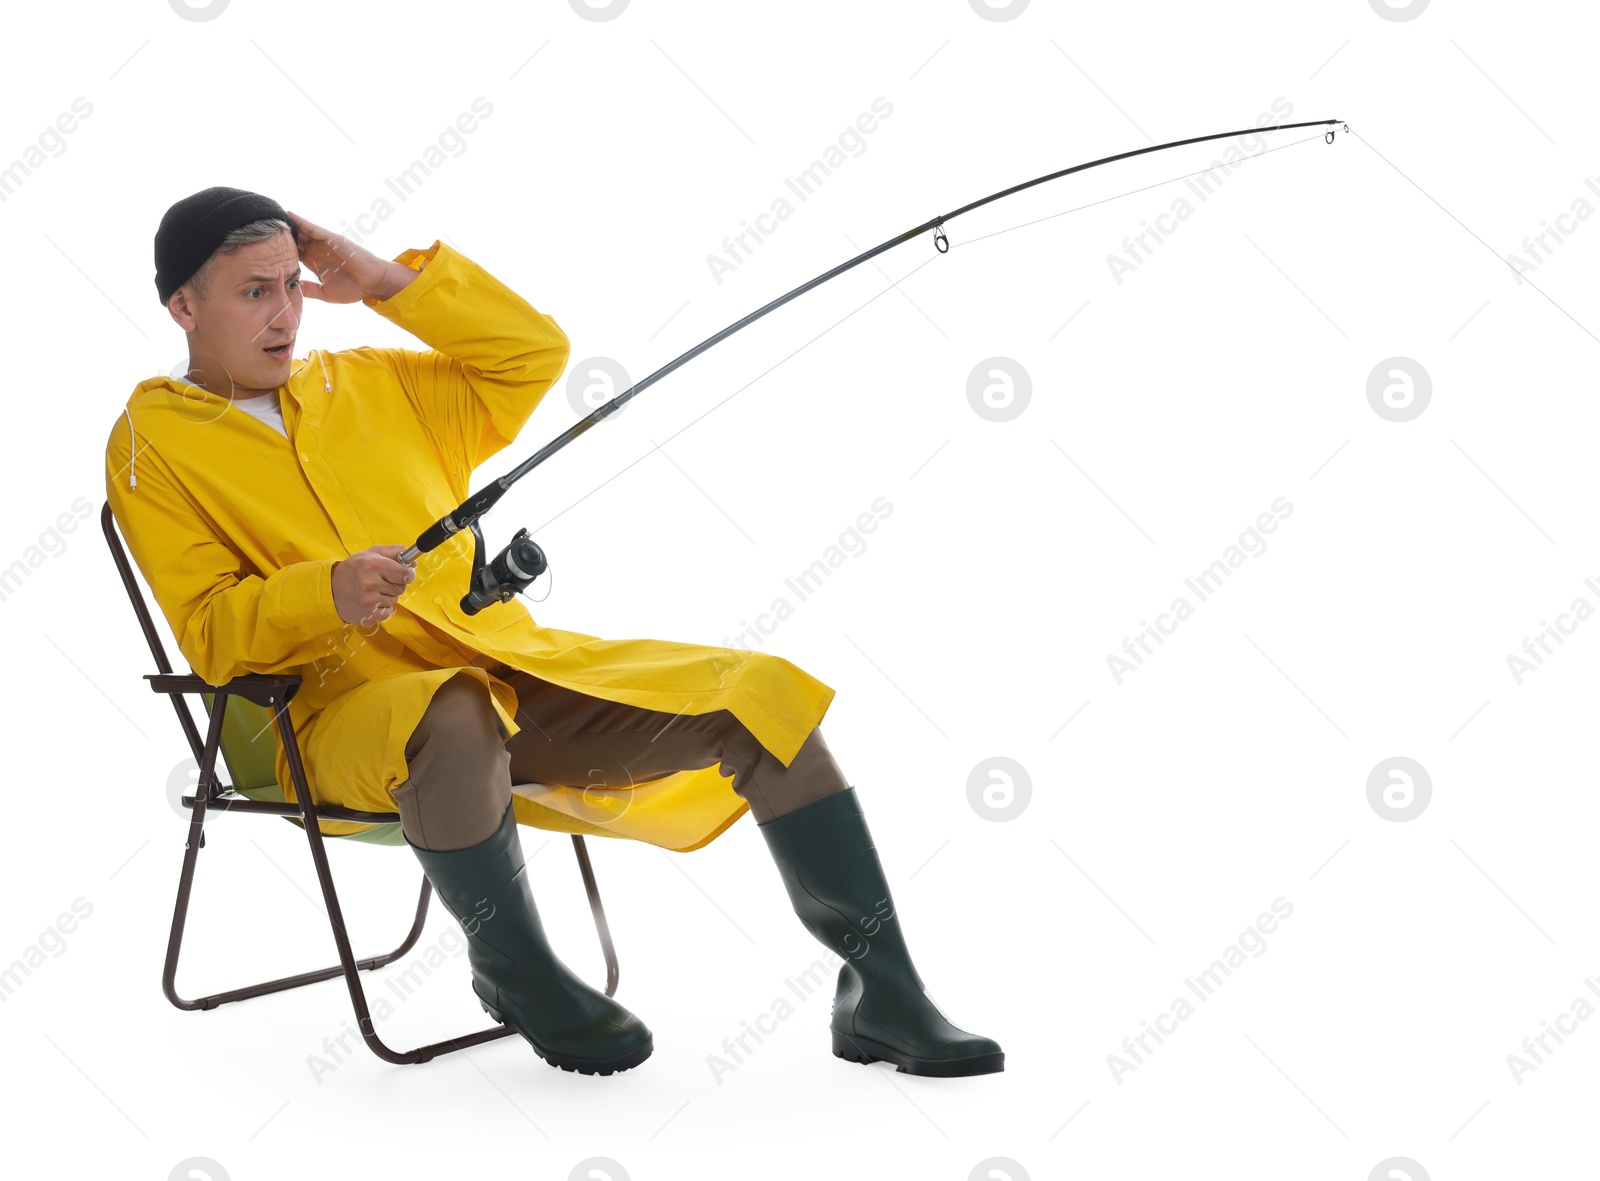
(266, 408)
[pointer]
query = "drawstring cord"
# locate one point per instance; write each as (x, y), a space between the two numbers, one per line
(133, 448)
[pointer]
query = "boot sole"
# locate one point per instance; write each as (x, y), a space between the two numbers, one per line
(864, 1050)
(581, 1065)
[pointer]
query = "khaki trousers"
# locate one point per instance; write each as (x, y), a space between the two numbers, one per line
(461, 764)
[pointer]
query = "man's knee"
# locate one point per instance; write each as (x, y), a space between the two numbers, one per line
(458, 784)
(774, 790)
(462, 713)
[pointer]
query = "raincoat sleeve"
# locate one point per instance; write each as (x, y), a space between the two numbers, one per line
(492, 355)
(228, 620)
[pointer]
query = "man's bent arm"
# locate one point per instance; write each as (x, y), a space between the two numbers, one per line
(493, 354)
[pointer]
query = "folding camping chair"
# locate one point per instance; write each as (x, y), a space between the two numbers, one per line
(238, 728)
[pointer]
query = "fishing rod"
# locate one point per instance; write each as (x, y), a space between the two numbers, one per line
(516, 566)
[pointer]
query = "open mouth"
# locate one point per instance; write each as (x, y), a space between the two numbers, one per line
(279, 352)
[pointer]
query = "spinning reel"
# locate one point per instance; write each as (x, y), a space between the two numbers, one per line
(512, 570)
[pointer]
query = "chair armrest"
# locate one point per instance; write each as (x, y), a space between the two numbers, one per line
(261, 688)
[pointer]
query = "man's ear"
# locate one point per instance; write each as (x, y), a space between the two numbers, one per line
(180, 305)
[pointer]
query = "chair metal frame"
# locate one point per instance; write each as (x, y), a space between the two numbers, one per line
(274, 692)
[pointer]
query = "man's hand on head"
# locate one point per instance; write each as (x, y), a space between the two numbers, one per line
(366, 584)
(345, 271)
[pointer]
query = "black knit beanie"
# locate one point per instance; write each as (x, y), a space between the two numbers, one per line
(194, 227)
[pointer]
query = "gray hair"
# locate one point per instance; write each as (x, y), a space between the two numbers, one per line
(255, 231)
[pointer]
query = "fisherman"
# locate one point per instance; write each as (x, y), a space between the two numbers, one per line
(267, 497)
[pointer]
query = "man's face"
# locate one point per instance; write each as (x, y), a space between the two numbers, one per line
(253, 303)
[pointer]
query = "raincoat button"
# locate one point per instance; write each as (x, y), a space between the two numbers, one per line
(304, 458)
(438, 599)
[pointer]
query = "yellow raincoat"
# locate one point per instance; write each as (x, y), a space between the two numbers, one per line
(236, 529)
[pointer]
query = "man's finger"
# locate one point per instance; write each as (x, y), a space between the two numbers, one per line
(309, 227)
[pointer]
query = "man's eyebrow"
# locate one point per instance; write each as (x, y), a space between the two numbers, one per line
(269, 278)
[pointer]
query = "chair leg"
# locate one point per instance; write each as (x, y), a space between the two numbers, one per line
(603, 927)
(180, 913)
(347, 960)
(175, 948)
(348, 967)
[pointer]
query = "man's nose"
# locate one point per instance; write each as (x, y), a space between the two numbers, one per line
(287, 316)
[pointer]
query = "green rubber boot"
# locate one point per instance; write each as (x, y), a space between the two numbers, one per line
(518, 979)
(880, 1011)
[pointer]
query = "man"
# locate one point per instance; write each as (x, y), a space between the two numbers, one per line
(266, 500)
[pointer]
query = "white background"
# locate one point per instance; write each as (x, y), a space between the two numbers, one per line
(1166, 812)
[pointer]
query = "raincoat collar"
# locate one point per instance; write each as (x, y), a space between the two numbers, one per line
(146, 390)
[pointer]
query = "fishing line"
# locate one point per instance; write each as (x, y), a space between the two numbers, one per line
(742, 388)
(516, 566)
(1146, 188)
(908, 274)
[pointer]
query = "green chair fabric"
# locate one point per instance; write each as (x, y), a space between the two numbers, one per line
(249, 746)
